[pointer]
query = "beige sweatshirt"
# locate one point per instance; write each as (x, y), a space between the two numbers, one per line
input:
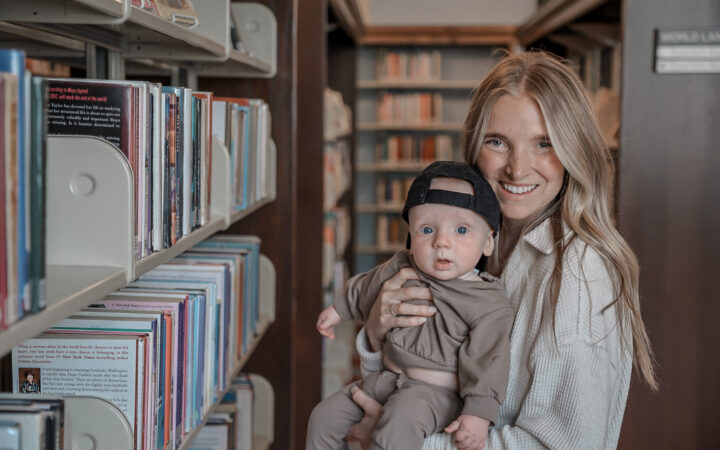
(469, 334)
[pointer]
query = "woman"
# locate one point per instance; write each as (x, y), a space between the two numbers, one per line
(569, 275)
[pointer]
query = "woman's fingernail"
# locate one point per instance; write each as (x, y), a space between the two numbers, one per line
(432, 309)
(422, 319)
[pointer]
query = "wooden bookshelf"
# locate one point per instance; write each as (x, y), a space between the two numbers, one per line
(379, 208)
(417, 84)
(391, 167)
(375, 249)
(379, 126)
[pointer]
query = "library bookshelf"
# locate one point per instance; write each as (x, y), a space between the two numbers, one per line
(90, 189)
(392, 150)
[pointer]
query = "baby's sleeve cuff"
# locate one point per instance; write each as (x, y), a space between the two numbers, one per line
(369, 361)
(485, 407)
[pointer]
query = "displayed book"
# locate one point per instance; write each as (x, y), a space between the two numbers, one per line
(109, 366)
(181, 12)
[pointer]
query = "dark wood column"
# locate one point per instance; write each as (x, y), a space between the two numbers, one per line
(291, 227)
(669, 208)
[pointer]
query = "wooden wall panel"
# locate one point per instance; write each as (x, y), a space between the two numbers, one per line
(669, 207)
(291, 226)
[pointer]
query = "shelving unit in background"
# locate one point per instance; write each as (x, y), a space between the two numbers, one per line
(446, 75)
(89, 238)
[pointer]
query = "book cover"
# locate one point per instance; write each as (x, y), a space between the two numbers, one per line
(181, 12)
(38, 155)
(13, 61)
(13, 306)
(72, 364)
(3, 243)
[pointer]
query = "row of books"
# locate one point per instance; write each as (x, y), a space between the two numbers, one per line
(390, 231)
(230, 427)
(181, 12)
(337, 172)
(243, 126)
(416, 65)
(32, 424)
(337, 115)
(161, 349)
(413, 148)
(336, 237)
(22, 192)
(165, 132)
(392, 190)
(409, 107)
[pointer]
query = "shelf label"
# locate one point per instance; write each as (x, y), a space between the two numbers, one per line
(687, 51)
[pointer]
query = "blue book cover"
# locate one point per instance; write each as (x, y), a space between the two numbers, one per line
(244, 176)
(13, 61)
(200, 361)
(252, 275)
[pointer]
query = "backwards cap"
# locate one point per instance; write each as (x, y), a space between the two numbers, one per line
(482, 202)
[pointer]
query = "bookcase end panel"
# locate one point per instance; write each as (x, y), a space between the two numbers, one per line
(257, 28)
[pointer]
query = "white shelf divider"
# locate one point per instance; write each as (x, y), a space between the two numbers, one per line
(90, 210)
(96, 12)
(263, 412)
(89, 422)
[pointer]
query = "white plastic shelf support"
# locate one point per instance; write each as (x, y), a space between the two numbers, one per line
(96, 12)
(91, 423)
(263, 412)
(221, 204)
(257, 29)
(267, 289)
(90, 212)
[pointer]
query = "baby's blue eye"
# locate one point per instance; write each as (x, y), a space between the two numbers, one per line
(462, 230)
(426, 230)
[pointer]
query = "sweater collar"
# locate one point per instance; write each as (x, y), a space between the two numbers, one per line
(541, 239)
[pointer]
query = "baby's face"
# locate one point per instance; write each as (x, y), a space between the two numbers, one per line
(447, 241)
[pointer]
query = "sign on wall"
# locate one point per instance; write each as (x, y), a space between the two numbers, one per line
(687, 51)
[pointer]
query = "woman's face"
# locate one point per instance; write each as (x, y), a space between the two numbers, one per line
(518, 160)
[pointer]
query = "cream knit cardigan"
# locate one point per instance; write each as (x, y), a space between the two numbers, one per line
(567, 390)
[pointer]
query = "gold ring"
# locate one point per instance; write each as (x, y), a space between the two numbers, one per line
(392, 309)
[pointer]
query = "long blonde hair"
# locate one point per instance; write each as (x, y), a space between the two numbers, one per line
(584, 203)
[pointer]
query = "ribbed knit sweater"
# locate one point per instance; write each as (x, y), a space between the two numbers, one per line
(567, 389)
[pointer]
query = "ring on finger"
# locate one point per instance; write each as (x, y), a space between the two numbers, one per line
(392, 309)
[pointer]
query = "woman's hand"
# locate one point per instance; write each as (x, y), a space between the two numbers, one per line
(391, 311)
(363, 430)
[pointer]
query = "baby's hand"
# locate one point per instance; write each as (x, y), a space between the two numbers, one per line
(470, 432)
(327, 321)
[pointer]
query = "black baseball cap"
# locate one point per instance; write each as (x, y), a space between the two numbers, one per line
(482, 202)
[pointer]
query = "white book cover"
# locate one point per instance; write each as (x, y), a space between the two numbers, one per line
(71, 364)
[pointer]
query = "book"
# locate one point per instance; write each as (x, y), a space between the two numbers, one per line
(13, 61)
(181, 12)
(13, 300)
(106, 366)
(38, 156)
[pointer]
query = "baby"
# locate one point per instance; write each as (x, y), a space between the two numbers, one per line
(455, 365)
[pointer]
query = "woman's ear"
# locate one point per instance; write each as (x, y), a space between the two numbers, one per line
(489, 245)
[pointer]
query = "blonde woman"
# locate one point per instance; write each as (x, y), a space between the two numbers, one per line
(569, 275)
